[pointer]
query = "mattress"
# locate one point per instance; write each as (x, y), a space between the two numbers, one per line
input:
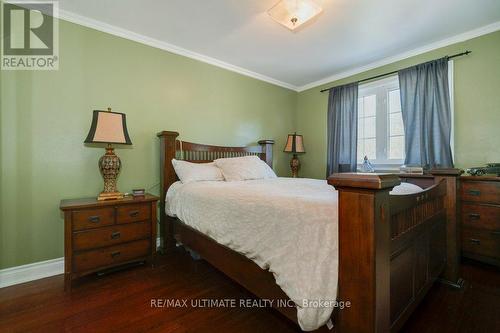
(287, 226)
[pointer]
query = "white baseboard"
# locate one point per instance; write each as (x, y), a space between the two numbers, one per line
(38, 270)
(30, 272)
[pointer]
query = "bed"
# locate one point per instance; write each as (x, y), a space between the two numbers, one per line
(388, 252)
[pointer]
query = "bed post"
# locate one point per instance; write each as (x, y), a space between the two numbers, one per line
(167, 178)
(267, 149)
(452, 206)
(364, 250)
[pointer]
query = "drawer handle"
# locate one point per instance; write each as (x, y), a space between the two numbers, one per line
(474, 216)
(475, 241)
(115, 235)
(115, 254)
(475, 192)
(134, 213)
(94, 219)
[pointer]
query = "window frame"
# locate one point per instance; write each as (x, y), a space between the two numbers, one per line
(394, 164)
(381, 89)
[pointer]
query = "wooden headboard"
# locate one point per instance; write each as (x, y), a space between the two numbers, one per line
(171, 148)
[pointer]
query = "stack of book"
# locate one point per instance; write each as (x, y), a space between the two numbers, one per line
(138, 192)
(411, 169)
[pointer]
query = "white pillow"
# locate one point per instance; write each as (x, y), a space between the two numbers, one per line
(244, 168)
(270, 171)
(192, 172)
(406, 188)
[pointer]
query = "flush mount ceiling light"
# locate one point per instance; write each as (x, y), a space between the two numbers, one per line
(293, 13)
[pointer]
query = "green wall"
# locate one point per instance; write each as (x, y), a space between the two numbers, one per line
(477, 105)
(45, 116)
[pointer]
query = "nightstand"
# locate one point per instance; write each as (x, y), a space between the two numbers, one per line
(481, 218)
(99, 235)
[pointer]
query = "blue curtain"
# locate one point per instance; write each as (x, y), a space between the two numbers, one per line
(342, 129)
(425, 105)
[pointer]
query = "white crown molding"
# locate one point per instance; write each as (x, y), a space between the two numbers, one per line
(127, 34)
(38, 270)
(30, 272)
(429, 47)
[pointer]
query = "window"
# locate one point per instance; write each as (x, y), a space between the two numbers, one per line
(396, 142)
(381, 134)
(367, 129)
(380, 123)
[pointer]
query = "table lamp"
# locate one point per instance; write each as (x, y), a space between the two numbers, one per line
(110, 128)
(295, 145)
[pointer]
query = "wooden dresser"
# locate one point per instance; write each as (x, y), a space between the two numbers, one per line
(99, 235)
(480, 201)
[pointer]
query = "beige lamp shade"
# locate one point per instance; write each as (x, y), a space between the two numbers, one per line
(294, 144)
(108, 127)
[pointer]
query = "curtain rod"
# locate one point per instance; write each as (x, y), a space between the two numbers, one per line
(395, 72)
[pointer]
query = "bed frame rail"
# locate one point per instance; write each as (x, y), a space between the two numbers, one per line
(199, 153)
(408, 211)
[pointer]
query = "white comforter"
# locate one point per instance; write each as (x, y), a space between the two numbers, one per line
(288, 226)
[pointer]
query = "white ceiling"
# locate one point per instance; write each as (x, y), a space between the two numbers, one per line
(239, 35)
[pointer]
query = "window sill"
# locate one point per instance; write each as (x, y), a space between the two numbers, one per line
(388, 168)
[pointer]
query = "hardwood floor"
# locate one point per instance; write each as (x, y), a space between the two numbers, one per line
(121, 302)
(475, 308)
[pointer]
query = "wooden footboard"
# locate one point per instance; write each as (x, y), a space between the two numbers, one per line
(391, 248)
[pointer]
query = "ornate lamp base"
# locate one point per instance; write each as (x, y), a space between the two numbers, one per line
(295, 166)
(110, 165)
